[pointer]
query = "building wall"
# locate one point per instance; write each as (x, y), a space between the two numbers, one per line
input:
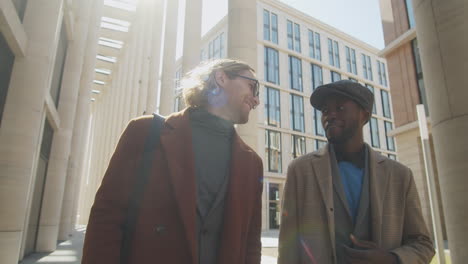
(398, 35)
(405, 94)
(48, 40)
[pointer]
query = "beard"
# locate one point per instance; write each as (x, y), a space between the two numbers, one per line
(345, 135)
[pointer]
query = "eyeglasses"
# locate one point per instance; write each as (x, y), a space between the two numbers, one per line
(256, 88)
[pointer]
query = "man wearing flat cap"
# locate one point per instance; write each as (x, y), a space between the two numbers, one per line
(346, 203)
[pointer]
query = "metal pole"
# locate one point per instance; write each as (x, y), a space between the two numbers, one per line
(433, 196)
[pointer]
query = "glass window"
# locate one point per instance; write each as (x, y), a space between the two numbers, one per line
(311, 44)
(352, 79)
(221, 45)
(317, 76)
(335, 76)
(59, 65)
(390, 140)
(371, 88)
(391, 156)
(295, 73)
(297, 38)
(385, 104)
(331, 59)
(410, 13)
(270, 26)
(290, 35)
(216, 48)
(348, 59)
(333, 53)
(353, 61)
(367, 67)
(364, 66)
(319, 131)
(297, 113)
(272, 107)
(337, 54)
(374, 131)
(298, 146)
(320, 144)
(273, 150)
(274, 28)
(318, 47)
(382, 73)
(419, 75)
(271, 65)
(266, 25)
(7, 58)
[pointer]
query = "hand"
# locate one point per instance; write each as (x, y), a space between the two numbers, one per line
(368, 254)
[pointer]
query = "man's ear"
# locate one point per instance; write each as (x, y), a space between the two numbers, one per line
(220, 77)
(367, 115)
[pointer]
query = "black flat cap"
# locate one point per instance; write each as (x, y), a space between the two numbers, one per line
(352, 90)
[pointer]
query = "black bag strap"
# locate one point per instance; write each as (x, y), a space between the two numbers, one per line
(151, 144)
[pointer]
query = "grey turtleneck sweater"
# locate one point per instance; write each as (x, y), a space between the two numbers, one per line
(211, 139)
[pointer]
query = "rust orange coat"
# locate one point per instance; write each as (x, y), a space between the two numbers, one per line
(169, 200)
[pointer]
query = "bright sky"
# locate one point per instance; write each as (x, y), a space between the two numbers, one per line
(358, 18)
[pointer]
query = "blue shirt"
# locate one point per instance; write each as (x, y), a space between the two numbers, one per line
(352, 178)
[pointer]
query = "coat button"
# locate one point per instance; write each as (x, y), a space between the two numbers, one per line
(160, 229)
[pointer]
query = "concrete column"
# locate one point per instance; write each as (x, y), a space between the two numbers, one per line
(123, 64)
(57, 170)
(441, 27)
(139, 31)
(155, 56)
(166, 100)
(242, 44)
(148, 19)
(23, 119)
(192, 34)
(130, 72)
(74, 172)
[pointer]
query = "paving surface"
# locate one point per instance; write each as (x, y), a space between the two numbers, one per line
(69, 252)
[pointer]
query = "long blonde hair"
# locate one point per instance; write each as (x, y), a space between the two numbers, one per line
(202, 79)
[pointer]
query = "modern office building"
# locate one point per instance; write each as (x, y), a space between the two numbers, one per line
(408, 90)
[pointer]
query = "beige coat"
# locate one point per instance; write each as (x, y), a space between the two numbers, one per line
(307, 223)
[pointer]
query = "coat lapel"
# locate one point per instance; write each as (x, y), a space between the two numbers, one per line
(378, 179)
(176, 143)
(322, 172)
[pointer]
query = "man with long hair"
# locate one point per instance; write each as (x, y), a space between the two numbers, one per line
(202, 201)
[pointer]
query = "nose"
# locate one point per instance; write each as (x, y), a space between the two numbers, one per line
(256, 100)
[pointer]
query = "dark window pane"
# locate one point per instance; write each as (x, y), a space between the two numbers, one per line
(60, 57)
(319, 131)
(317, 77)
(374, 131)
(273, 150)
(385, 104)
(7, 58)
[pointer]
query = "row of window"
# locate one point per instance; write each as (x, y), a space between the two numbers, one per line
(273, 114)
(270, 33)
(216, 49)
(271, 66)
(273, 150)
(296, 80)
